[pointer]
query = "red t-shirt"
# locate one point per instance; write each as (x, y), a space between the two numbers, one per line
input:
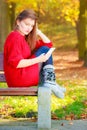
(16, 49)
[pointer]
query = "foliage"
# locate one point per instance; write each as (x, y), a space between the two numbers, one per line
(65, 10)
(70, 10)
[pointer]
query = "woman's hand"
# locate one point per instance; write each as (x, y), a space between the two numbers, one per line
(43, 57)
(42, 36)
(38, 31)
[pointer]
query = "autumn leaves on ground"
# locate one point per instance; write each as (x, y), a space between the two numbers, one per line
(68, 66)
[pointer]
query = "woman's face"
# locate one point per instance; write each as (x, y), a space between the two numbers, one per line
(25, 26)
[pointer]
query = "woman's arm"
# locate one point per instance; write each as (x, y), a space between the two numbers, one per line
(28, 62)
(43, 36)
(42, 58)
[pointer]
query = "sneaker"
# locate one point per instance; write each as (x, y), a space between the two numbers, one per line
(54, 88)
(61, 88)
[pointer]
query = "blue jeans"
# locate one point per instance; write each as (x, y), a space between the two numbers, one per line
(43, 49)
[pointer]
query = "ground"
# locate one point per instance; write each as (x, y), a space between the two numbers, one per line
(68, 66)
(22, 124)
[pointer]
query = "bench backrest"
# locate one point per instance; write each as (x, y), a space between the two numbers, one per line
(2, 77)
(1, 61)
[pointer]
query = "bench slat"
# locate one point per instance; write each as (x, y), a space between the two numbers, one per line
(32, 91)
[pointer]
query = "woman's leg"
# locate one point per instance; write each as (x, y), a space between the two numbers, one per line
(44, 49)
(47, 74)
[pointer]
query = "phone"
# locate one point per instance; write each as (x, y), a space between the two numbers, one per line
(49, 53)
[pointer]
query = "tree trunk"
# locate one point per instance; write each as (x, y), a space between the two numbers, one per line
(85, 54)
(4, 22)
(82, 29)
(12, 14)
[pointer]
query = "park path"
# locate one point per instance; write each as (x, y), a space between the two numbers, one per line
(56, 125)
(68, 66)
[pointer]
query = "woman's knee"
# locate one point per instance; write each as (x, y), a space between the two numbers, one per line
(43, 49)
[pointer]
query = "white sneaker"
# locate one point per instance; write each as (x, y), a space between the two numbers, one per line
(58, 93)
(61, 88)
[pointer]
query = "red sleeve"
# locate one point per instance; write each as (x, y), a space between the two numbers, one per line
(40, 43)
(14, 52)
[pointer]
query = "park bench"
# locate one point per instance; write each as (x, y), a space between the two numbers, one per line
(43, 93)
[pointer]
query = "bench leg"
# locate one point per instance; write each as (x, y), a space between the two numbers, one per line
(44, 108)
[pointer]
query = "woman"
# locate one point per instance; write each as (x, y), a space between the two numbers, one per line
(25, 58)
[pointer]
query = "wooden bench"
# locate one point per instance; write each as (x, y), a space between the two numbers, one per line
(43, 93)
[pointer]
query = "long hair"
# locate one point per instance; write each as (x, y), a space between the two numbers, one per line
(31, 37)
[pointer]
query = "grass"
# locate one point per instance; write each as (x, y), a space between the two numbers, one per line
(74, 105)
(75, 102)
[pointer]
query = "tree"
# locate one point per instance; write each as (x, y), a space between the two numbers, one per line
(12, 7)
(4, 22)
(81, 25)
(57, 11)
(83, 31)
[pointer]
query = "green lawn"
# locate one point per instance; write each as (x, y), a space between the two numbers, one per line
(75, 102)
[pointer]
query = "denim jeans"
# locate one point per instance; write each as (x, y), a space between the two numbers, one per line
(43, 49)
